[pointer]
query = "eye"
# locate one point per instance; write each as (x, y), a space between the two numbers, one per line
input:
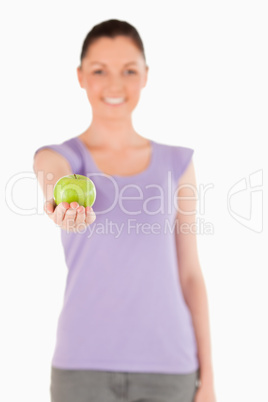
(131, 71)
(97, 72)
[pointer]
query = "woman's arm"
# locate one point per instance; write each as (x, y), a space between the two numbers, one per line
(191, 277)
(49, 166)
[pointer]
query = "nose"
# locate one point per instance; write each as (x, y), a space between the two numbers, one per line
(115, 83)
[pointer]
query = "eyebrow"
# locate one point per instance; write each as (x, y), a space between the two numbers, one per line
(98, 62)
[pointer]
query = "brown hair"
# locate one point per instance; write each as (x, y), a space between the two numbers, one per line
(111, 29)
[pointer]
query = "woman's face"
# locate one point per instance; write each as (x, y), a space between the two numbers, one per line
(113, 68)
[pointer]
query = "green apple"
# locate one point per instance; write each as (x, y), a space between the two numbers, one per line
(75, 188)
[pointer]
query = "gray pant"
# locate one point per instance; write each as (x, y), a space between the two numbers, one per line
(114, 386)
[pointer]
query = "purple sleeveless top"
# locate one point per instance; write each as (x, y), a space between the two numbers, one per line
(123, 307)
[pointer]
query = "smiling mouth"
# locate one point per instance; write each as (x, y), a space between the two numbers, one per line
(114, 101)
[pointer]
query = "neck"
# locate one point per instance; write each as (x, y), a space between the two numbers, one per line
(112, 134)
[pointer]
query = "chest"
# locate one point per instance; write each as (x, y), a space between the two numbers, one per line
(124, 163)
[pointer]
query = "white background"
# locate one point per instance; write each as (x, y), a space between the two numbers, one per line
(207, 89)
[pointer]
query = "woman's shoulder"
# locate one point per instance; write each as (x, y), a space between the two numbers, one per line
(68, 148)
(176, 157)
(69, 145)
(174, 151)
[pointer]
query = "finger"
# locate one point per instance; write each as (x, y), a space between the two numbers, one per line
(49, 207)
(90, 215)
(74, 205)
(69, 219)
(60, 212)
(81, 215)
(80, 222)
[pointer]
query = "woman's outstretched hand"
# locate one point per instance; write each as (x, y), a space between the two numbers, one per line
(70, 217)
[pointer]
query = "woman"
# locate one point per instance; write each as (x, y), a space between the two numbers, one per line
(134, 324)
